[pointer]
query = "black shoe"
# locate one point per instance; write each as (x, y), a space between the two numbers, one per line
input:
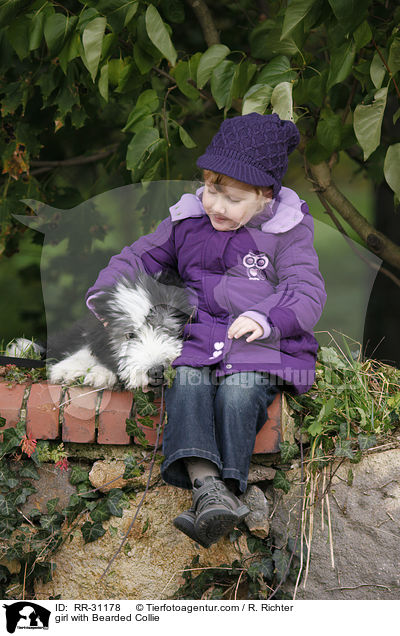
(185, 523)
(217, 510)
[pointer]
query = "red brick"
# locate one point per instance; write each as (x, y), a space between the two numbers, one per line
(10, 403)
(151, 433)
(115, 408)
(79, 415)
(42, 411)
(269, 437)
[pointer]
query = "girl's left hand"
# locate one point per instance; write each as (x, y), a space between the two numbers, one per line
(243, 325)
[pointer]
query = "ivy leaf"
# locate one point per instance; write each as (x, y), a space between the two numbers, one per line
(368, 122)
(159, 35)
(294, 14)
(391, 168)
(92, 40)
(280, 481)
(92, 531)
(265, 567)
(113, 502)
(281, 561)
(78, 475)
(101, 512)
(366, 441)
(343, 449)
(209, 61)
(288, 451)
(7, 508)
(29, 471)
(131, 467)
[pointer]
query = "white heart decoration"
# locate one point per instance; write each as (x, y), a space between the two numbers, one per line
(216, 354)
(218, 345)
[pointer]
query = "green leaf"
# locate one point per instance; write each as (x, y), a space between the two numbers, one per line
(362, 35)
(349, 13)
(281, 561)
(72, 49)
(366, 441)
(377, 70)
(143, 60)
(146, 105)
(343, 449)
(182, 73)
(341, 63)
(209, 61)
(29, 471)
(78, 475)
(265, 568)
(391, 168)
(257, 99)
(113, 502)
(282, 100)
(221, 82)
(186, 138)
(9, 9)
(145, 145)
(159, 35)
(280, 481)
(367, 122)
(103, 82)
(329, 130)
(266, 42)
(92, 531)
(315, 428)
(276, 71)
(92, 40)
(18, 34)
(294, 14)
(7, 508)
(145, 403)
(394, 56)
(288, 451)
(57, 27)
(101, 512)
(131, 467)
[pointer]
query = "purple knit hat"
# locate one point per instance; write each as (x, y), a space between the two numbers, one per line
(252, 148)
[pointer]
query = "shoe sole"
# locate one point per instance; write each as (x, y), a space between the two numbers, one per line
(186, 525)
(213, 524)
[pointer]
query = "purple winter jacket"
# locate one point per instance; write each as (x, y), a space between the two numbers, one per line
(267, 270)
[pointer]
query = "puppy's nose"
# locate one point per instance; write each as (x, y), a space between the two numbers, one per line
(156, 373)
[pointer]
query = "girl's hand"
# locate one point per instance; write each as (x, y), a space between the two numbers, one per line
(243, 325)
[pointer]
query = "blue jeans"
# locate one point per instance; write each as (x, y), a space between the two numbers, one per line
(215, 419)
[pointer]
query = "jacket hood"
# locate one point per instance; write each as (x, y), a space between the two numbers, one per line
(281, 215)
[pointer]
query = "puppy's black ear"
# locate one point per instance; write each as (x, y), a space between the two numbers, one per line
(100, 305)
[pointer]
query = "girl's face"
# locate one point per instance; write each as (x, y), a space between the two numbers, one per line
(229, 207)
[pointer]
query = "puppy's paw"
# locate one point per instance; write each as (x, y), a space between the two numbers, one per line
(100, 377)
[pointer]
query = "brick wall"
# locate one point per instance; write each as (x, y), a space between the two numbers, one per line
(80, 414)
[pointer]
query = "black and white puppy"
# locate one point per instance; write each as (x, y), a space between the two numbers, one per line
(139, 334)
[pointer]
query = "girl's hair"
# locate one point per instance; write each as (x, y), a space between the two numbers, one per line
(222, 179)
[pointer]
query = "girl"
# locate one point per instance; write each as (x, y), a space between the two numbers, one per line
(243, 245)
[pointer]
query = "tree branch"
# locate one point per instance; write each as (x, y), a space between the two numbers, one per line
(45, 166)
(375, 241)
(206, 21)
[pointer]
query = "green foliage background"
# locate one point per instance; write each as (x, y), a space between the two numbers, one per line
(96, 95)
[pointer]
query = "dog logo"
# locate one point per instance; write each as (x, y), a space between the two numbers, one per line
(26, 615)
(255, 264)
